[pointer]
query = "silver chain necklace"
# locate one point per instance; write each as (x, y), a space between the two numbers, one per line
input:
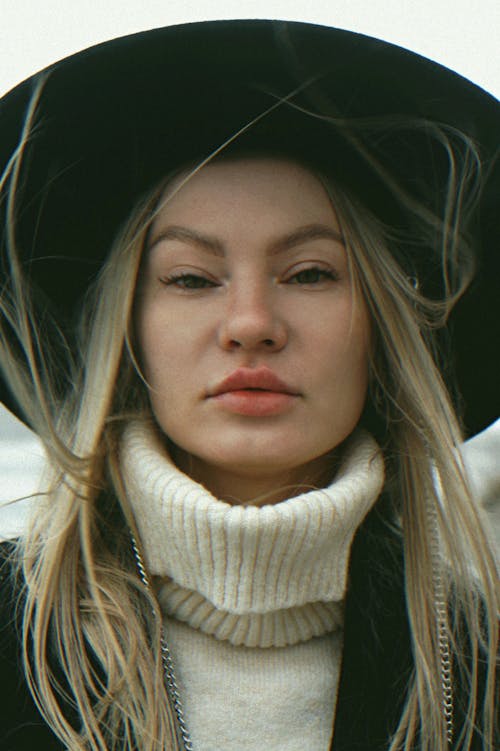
(441, 614)
(166, 658)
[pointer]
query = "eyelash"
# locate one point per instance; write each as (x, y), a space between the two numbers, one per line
(323, 274)
(181, 280)
(176, 279)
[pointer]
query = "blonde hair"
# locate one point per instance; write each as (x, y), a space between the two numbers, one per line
(81, 588)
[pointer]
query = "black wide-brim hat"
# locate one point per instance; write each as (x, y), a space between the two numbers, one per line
(113, 119)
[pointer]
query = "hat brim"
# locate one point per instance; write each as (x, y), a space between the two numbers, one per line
(115, 118)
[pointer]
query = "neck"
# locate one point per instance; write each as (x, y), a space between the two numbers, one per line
(256, 486)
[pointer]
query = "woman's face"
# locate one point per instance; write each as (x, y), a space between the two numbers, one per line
(253, 346)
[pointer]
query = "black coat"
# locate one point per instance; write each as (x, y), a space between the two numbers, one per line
(376, 664)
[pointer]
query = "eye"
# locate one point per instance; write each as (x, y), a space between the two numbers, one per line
(313, 275)
(188, 281)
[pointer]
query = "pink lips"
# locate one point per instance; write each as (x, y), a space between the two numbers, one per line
(255, 392)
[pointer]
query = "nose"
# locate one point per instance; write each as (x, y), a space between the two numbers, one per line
(251, 322)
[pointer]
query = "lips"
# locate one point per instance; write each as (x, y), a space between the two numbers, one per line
(254, 393)
(258, 379)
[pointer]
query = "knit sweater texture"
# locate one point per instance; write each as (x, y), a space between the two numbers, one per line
(252, 597)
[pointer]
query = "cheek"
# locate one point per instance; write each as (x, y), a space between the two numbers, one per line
(143, 338)
(345, 352)
(152, 337)
(168, 345)
(159, 364)
(344, 336)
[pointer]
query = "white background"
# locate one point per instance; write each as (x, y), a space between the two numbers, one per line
(458, 33)
(34, 33)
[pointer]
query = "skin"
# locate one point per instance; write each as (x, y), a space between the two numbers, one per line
(260, 295)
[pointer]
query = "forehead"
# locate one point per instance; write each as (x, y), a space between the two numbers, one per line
(244, 185)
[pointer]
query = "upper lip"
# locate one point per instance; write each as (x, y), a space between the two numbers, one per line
(252, 378)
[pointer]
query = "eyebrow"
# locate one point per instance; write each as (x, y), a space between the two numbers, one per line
(215, 247)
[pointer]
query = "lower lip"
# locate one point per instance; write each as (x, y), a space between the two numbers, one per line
(255, 403)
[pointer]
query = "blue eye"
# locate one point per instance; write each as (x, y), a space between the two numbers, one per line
(188, 281)
(313, 275)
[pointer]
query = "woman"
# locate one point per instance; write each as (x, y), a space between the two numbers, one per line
(297, 226)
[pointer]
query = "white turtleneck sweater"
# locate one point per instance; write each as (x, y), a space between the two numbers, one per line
(252, 596)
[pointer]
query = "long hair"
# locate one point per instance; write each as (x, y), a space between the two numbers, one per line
(82, 596)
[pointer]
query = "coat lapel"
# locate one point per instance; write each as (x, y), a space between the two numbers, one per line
(377, 660)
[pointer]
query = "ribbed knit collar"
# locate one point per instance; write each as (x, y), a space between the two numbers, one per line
(258, 576)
